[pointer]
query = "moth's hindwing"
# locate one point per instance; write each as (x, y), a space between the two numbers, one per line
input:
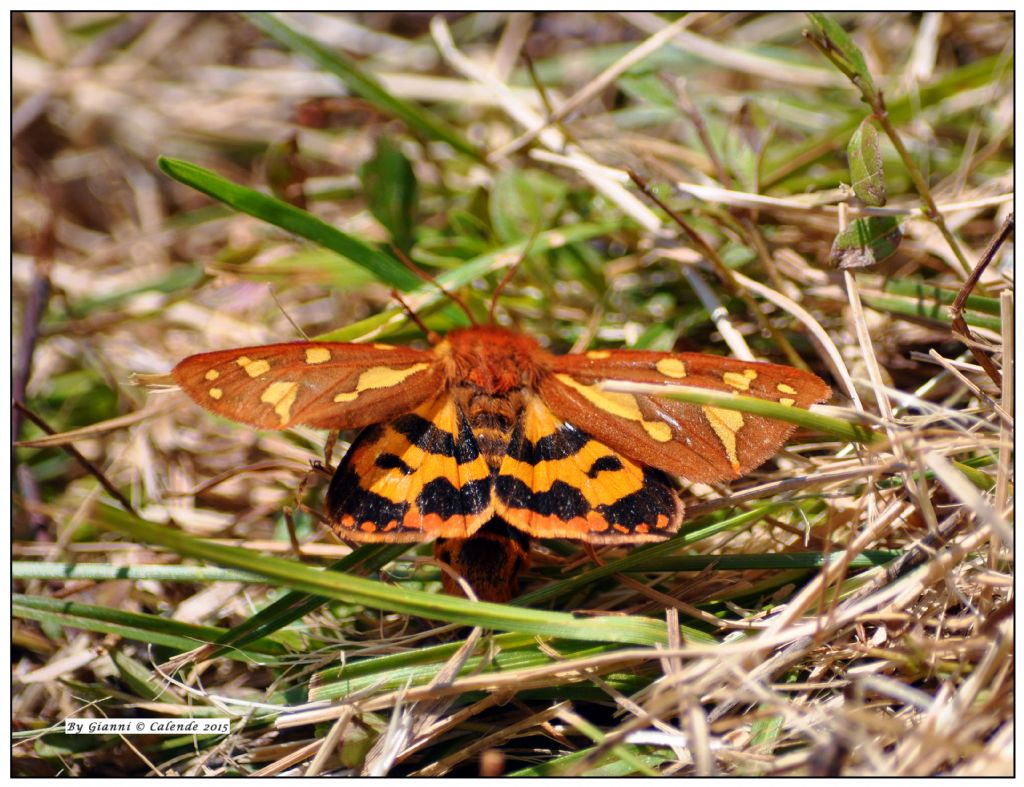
(321, 384)
(416, 477)
(558, 481)
(699, 443)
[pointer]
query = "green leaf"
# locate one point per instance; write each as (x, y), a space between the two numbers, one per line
(141, 679)
(364, 85)
(766, 731)
(602, 763)
(390, 188)
(273, 211)
(866, 242)
(832, 36)
(866, 173)
(490, 655)
(981, 480)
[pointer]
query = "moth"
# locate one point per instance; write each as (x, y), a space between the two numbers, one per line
(486, 440)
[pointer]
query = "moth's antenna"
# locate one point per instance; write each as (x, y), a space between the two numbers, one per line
(287, 316)
(510, 273)
(432, 336)
(408, 263)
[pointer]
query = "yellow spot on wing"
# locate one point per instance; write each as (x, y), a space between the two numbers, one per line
(726, 424)
(741, 382)
(281, 395)
(659, 430)
(787, 402)
(783, 388)
(671, 367)
(383, 377)
(216, 393)
(253, 368)
(383, 346)
(317, 355)
(621, 405)
(379, 377)
(599, 355)
(212, 375)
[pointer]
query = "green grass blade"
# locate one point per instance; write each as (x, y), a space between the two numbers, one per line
(27, 569)
(132, 625)
(364, 85)
(606, 765)
(377, 595)
(295, 605)
(429, 294)
(844, 430)
(789, 560)
(922, 311)
(383, 675)
(292, 219)
(642, 554)
(930, 294)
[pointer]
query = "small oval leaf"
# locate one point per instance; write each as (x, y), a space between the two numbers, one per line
(832, 36)
(866, 242)
(391, 189)
(868, 177)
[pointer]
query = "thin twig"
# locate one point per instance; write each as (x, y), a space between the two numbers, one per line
(77, 456)
(956, 311)
(723, 271)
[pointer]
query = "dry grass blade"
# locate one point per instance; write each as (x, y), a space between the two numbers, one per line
(599, 83)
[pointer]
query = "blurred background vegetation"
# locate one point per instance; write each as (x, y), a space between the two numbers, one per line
(466, 141)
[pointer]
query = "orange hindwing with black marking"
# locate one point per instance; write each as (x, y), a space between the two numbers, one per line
(488, 439)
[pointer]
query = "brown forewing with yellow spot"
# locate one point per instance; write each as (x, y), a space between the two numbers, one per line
(486, 440)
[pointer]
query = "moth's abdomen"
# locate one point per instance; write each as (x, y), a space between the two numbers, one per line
(490, 561)
(492, 419)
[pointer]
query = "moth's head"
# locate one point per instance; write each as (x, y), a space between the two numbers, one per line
(490, 561)
(493, 359)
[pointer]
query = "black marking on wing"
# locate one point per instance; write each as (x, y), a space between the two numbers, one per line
(393, 462)
(604, 463)
(441, 497)
(562, 444)
(656, 498)
(423, 434)
(346, 496)
(561, 500)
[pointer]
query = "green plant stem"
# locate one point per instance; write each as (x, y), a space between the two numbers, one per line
(874, 99)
